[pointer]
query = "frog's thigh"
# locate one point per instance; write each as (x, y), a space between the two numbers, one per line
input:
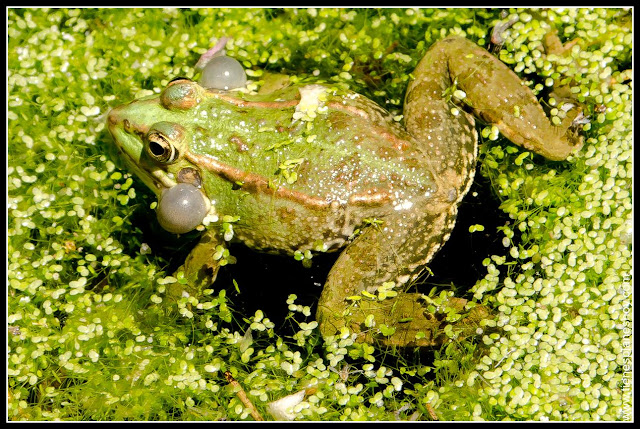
(395, 251)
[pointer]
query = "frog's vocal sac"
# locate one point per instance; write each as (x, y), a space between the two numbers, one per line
(311, 167)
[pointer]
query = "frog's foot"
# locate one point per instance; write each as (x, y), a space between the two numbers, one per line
(364, 290)
(553, 45)
(403, 321)
(566, 100)
(574, 118)
(499, 29)
(554, 142)
(217, 50)
(200, 268)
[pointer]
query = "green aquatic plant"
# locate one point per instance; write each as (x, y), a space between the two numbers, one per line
(95, 334)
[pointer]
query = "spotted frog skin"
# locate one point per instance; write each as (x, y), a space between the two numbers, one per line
(311, 167)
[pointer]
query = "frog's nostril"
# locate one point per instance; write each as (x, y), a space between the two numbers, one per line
(113, 117)
(116, 120)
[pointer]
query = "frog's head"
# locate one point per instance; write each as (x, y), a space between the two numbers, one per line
(152, 136)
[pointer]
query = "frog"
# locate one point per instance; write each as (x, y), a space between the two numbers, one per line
(311, 167)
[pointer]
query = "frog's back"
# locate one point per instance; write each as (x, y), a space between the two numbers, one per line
(342, 150)
(308, 164)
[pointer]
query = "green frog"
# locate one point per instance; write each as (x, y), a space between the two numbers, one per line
(299, 168)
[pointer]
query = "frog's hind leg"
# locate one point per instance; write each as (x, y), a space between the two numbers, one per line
(357, 286)
(494, 93)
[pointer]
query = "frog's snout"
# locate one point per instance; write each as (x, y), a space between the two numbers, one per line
(125, 131)
(121, 131)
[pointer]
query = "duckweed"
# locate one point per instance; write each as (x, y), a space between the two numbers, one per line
(94, 332)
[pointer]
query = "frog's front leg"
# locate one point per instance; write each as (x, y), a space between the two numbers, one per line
(395, 251)
(201, 266)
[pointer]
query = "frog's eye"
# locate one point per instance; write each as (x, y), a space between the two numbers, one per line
(223, 72)
(160, 149)
(181, 208)
(164, 142)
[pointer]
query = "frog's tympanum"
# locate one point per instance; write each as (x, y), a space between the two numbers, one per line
(313, 167)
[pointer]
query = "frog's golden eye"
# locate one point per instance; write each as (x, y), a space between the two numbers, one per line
(164, 142)
(160, 149)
